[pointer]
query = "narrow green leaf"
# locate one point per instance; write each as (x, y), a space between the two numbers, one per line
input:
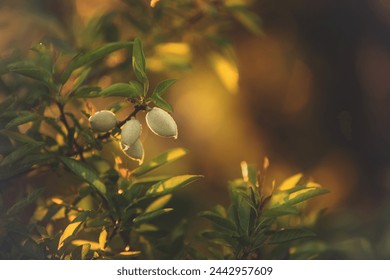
(158, 203)
(29, 69)
(18, 137)
(7, 104)
(160, 160)
(218, 220)
(32, 250)
(23, 203)
(81, 252)
(27, 163)
(85, 172)
(138, 61)
(281, 210)
(92, 56)
(23, 118)
(80, 80)
(19, 153)
(151, 215)
(171, 185)
(162, 103)
(220, 238)
(130, 90)
(163, 86)
(310, 193)
(87, 92)
(244, 214)
(287, 235)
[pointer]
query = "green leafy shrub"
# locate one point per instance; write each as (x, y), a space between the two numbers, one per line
(91, 205)
(257, 225)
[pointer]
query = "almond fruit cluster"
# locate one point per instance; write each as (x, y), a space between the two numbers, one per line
(159, 122)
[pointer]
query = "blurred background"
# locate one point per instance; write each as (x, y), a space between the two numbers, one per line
(304, 83)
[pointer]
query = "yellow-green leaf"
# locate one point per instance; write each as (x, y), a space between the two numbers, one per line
(158, 203)
(164, 158)
(171, 185)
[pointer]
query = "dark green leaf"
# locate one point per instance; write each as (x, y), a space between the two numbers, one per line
(31, 70)
(24, 165)
(138, 60)
(85, 172)
(162, 103)
(289, 235)
(81, 252)
(87, 92)
(162, 87)
(22, 138)
(130, 90)
(171, 185)
(151, 215)
(310, 193)
(54, 124)
(19, 153)
(32, 250)
(6, 104)
(162, 159)
(92, 56)
(23, 118)
(244, 214)
(218, 220)
(23, 203)
(220, 238)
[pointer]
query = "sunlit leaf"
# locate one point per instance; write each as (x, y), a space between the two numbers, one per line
(280, 211)
(171, 185)
(85, 172)
(92, 56)
(130, 90)
(23, 118)
(158, 203)
(218, 220)
(94, 246)
(162, 87)
(72, 228)
(162, 159)
(151, 215)
(305, 195)
(103, 239)
(286, 235)
(290, 182)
